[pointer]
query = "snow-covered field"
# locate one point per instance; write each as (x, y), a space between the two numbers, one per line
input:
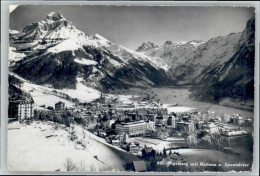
(180, 96)
(42, 95)
(156, 144)
(128, 99)
(82, 92)
(177, 108)
(30, 149)
(168, 96)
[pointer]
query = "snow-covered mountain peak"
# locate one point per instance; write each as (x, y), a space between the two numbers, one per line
(195, 43)
(52, 23)
(54, 20)
(168, 42)
(146, 46)
(57, 30)
(62, 48)
(192, 43)
(55, 16)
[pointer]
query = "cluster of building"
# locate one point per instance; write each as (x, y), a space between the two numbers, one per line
(231, 128)
(138, 119)
(23, 109)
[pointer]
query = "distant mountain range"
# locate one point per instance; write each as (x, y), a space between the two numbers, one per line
(220, 67)
(188, 59)
(53, 52)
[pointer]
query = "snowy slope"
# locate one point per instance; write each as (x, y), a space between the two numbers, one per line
(44, 95)
(214, 52)
(129, 54)
(173, 53)
(14, 56)
(85, 61)
(32, 142)
(186, 60)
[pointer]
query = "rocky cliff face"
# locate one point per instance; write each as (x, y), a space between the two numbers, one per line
(147, 46)
(235, 76)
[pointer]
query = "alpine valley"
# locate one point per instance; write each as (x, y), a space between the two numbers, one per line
(215, 69)
(53, 53)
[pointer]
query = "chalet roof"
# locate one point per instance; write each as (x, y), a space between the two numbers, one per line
(59, 103)
(159, 117)
(21, 101)
(139, 166)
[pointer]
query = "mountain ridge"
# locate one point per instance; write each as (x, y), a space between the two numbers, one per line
(187, 59)
(57, 52)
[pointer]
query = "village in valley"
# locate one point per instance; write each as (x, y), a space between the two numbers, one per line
(144, 128)
(85, 96)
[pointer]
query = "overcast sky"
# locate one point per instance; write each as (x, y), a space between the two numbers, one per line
(131, 25)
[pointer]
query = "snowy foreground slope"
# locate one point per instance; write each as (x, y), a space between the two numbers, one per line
(52, 145)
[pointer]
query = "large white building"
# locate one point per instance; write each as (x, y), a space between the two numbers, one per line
(211, 128)
(21, 109)
(135, 127)
(235, 138)
(109, 123)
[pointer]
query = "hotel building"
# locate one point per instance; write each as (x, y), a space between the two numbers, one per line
(135, 127)
(21, 109)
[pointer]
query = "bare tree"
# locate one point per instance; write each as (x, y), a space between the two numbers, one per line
(77, 167)
(69, 165)
(81, 167)
(92, 168)
(72, 133)
(83, 132)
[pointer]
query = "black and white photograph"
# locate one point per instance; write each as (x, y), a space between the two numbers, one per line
(114, 88)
